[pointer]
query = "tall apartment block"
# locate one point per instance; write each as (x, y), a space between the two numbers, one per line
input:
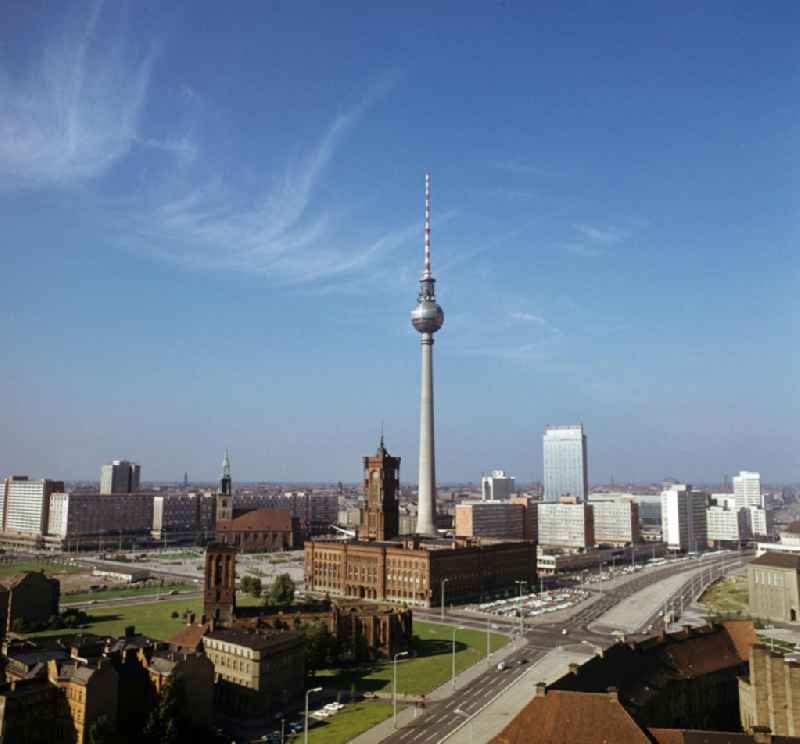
(25, 503)
(119, 476)
(747, 489)
(684, 523)
(497, 486)
(565, 463)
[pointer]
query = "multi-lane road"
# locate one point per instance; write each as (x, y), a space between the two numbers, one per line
(440, 718)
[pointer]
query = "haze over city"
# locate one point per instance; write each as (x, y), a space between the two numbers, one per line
(212, 237)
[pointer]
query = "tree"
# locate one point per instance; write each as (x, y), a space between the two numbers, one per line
(245, 583)
(255, 587)
(99, 730)
(320, 646)
(166, 724)
(281, 592)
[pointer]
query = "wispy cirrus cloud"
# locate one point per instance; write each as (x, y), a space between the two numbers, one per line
(528, 318)
(518, 168)
(283, 233)
(75, 110)
(605, 235)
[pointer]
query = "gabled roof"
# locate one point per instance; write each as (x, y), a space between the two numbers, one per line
(774, 559)
(189, 637)
(259, 520)
(573, 718)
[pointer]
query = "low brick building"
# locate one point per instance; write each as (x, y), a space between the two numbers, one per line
(262, 529)
(773, 583)
(681, 680)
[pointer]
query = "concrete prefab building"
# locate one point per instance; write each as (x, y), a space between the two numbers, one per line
(565, 463)
(490, 519)
(683, 518)
(726, 525)
(25, 503)
(119, 476)
(747, 489)
(566, 524)
(616, 522)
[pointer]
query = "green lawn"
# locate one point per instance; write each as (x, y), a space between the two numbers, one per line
(347, 723)
(151, 618)
(18, 567)
(126, 591)
(419, 675)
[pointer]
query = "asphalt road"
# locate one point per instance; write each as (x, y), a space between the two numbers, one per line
(440, 718)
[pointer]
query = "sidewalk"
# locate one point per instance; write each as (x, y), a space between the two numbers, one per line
(386, 728)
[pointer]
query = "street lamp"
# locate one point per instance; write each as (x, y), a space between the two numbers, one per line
(394, 687)
(469, 718)
(308, 692)
(520, 583)
(488, 638)
(444, 581)
(453, 682)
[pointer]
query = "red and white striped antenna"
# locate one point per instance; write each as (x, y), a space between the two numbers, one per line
(427, 269)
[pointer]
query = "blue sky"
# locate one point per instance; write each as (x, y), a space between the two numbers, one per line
(212, 235)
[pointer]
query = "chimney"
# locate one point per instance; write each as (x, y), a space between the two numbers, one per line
(613, 694)
(541, 690)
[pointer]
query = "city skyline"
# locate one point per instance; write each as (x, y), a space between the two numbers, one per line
(212, 230)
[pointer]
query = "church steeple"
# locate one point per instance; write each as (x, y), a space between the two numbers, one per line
(380, 515)
(225, 490)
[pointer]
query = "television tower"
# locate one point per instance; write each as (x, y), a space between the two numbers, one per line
(427, 318)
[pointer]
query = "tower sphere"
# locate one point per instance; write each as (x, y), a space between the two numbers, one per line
(427, 316)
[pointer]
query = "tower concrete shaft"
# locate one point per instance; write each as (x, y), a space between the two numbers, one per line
(427, 318)
(426, 506)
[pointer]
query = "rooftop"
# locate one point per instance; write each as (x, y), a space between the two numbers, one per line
(258, 640)
(278, 519)
(774, 559)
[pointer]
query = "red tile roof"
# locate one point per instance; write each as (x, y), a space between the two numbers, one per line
(190, 637)
(259, 520)
(573, 718)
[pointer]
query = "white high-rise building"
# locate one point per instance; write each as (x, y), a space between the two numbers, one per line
(747, 489)
(566, 524)
(759, 521)
(119, 476)
(726, 524)
(25, 503)
(684, 523)
(497, 486)
(565, 464)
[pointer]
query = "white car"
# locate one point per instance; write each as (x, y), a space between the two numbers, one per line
(501, 666)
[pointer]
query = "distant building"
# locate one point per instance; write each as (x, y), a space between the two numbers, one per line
(773, 582)
(759, 521)
(490, 519)
(25, 503)
(616, 522)
(192, 513)
(683, 518)
(257, 672)
(565, 463)
(119, 476)
(497, 486)
(79, 516)
(531, 520)
(649, 504)
(747, 489)
(566, 524)
(726, 525)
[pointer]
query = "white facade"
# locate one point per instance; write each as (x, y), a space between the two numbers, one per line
(683, 518)
(25, 503)
(728, 500)
(726, 524)
(759, 521)
(119, 476)
(497, 486)
(747, 489)
(616, 522)
(566, 525)
(565, 462)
